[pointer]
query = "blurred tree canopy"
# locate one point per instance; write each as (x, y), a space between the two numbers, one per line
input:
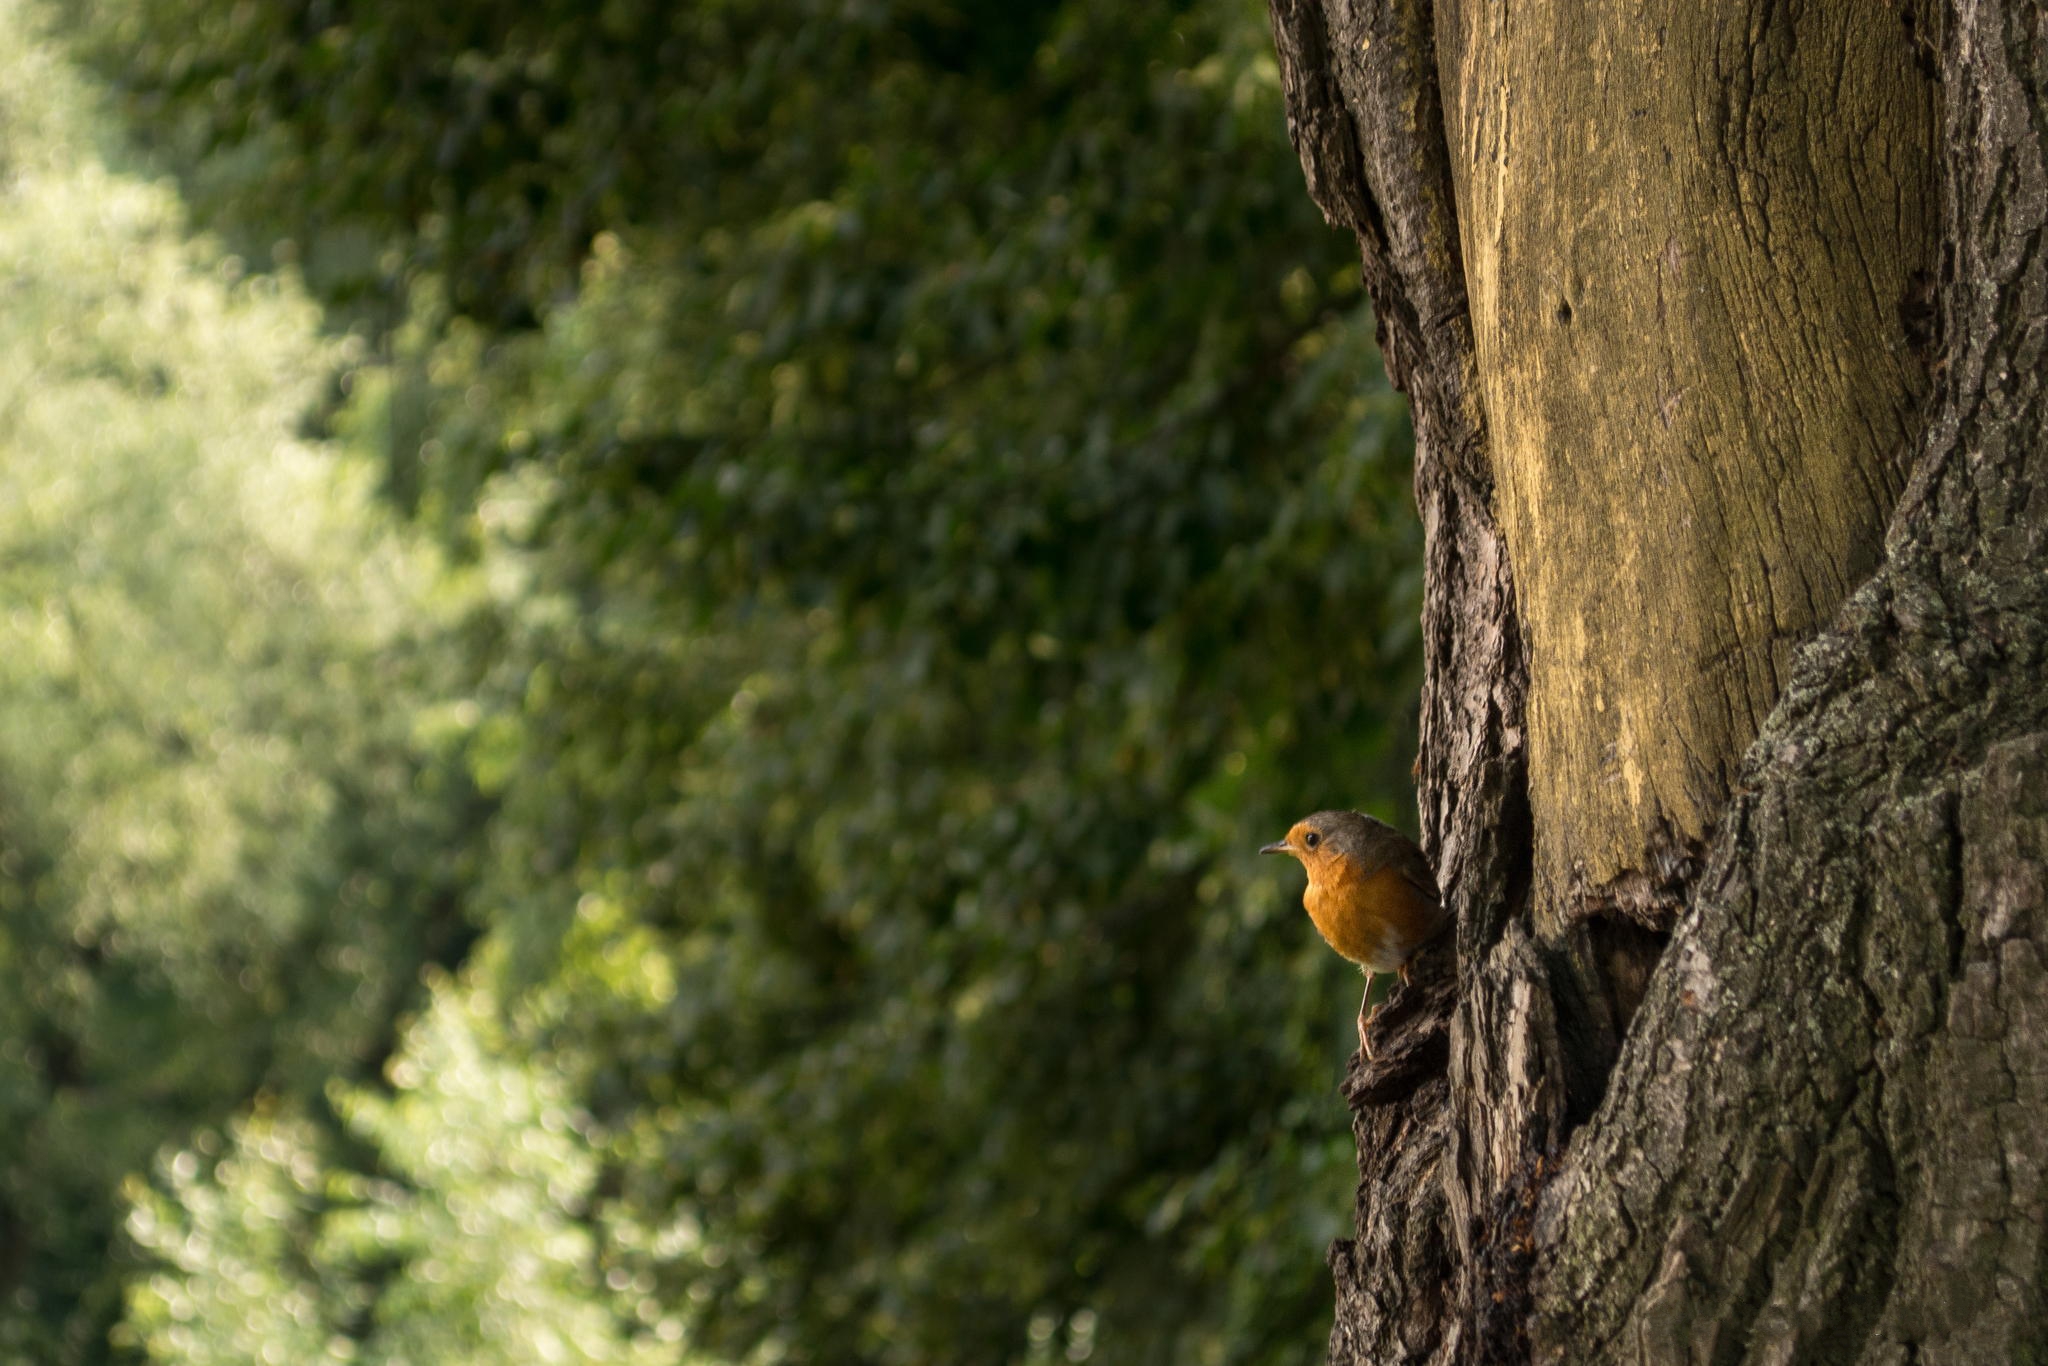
(222, 850)
(912, 510)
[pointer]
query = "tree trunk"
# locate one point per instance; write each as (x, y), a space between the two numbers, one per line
(1722, 325)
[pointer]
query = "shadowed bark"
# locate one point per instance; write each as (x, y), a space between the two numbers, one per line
(1808, 1134)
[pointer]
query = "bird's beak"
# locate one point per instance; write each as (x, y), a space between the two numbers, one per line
(1280, 848)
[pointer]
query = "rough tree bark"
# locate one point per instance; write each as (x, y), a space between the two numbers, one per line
(1723, 329)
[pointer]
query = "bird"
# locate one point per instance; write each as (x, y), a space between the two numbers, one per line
(1370, 892)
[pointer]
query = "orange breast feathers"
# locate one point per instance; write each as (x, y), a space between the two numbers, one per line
(1377, 918)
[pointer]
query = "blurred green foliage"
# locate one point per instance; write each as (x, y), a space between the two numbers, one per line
(219, 840)
(469, 1247)
(915, 508)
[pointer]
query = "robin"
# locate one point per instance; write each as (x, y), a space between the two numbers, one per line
(1370, 891)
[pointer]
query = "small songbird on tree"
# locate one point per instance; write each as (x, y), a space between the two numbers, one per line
(1370, 893)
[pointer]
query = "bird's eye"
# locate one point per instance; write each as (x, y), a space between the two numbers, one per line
(1312, 839)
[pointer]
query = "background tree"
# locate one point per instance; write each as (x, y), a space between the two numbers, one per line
(1738, 309)
(224, 845)
(912, 529)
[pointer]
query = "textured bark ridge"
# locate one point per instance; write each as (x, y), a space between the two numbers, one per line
(1364, 114)
(1393, 1286)
(1820, 1141)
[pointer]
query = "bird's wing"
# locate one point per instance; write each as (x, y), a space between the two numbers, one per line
(1411, 864)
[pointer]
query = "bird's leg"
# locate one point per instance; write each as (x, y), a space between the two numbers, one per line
(1366, 1012)
(1404, 973)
